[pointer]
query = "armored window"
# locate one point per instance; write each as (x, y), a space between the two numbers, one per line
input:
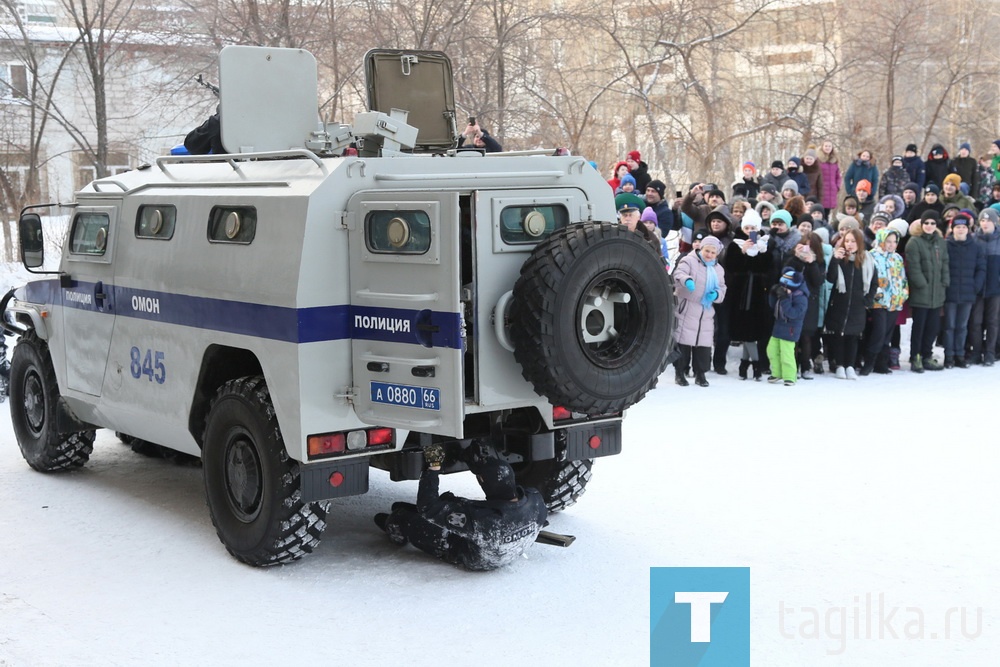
(232, 224)
(531, 224)
(155, 222)
(90, 234)
(398, 232)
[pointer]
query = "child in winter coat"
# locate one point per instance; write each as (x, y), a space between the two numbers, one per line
(892, 293)
(967, 268)
(699, 283)
(808, 259)
(790, 300)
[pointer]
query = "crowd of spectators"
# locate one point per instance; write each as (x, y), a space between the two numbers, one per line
(812, 265)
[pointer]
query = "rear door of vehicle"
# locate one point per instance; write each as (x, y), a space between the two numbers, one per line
(406, 313)
(88, 297)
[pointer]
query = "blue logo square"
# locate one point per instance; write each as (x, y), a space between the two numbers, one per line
(699, 616)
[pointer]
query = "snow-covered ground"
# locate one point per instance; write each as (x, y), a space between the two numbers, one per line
(829, 491)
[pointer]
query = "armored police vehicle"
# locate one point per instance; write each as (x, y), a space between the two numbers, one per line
(295, 317)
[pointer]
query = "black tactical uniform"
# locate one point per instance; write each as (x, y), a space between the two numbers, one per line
(474, 534)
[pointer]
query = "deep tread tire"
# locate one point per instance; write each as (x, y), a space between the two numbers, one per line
(547, 313)
(561, 483)
(34, 394)
(251, 484)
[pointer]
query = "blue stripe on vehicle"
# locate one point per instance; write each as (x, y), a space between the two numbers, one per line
(293, 325)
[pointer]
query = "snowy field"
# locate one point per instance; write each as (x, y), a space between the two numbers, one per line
(832, 492)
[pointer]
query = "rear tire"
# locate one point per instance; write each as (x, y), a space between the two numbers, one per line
(34, 395)
(251, 484)
(561, 483)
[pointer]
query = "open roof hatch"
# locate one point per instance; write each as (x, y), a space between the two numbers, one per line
(420, 83)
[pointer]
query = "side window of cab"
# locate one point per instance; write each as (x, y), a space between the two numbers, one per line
(89, 235)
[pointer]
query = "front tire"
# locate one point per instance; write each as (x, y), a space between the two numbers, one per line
(251, 484)
(34, 395)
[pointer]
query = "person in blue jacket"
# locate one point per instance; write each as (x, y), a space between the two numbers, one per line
(967, 267)
(984, 323)
(862, 169)
(789, 300)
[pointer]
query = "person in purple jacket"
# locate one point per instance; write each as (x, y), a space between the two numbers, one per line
(829, 167)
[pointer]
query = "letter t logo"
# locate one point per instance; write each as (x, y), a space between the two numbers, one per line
(701, 612)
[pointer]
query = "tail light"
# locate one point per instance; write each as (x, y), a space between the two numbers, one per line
(335, 444)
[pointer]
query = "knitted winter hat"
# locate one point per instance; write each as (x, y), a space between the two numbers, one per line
(791, 278)
(962, 218)
(649, 215)
(751, 220)
(966, 146)
(628, 178)
(913, 187)
(864, 185)
(881, 215)
(817, 208)
(777, 164)
(781, 216)
(899, 226)
(930, 214)
(767, 187)
(997, 143)
(823, 233)
(933, 188)
(990, 213)
(750, 165)
(659, 186)
(794, 160)
(964, 187)
(634, 155)
(790, 185)
(897, 158)
(911, 148)
(954, 179)
(711, 242)
(811, 152)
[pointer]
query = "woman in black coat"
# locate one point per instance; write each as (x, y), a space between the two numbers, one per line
(855, 281)
(748, 268)
(807, 258)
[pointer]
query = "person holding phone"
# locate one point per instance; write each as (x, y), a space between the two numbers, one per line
(478, 137)
(748, 267)
(855, 282)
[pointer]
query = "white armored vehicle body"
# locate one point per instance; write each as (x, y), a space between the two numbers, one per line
(295, 318)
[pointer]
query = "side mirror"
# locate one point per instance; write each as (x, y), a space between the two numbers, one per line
(32, 242)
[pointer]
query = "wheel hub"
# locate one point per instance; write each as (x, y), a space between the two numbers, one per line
(244, 480)
(611, 319)
(34, 403)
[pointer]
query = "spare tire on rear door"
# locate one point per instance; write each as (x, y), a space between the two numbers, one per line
(592, 318)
